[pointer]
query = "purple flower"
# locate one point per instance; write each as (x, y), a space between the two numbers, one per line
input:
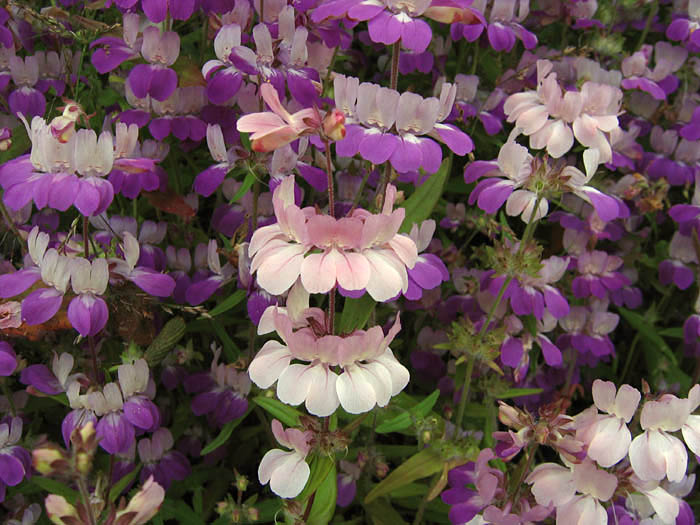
(211, 178)
(587, 331)
(156, 79)
(114, 51)
(220, 392)
(223, 75)
(164, 464)
(8, 359)
(54, 381)
(203, 289)
(598, 275)
(26, 99)
(660, 81)
(157, 10)
(150, 281)
(88, 313)
(429, 271)
(383, 125)
(15, 461)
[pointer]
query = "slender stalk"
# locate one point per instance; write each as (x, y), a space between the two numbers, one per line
(628, 361)
(527, 235)
(93, 355)
(310, 504)
(393, 84)
(329, 174)
(86, 244)
(465, 391)
(424, 502)
(85, 495)
(650, 20)
(8, 394)
(11, 225)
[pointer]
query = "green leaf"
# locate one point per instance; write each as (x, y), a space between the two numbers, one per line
(420, 205)
(53, 486)
(286, 414)
(323, 506)
(248, 182)
(320, 468)
(231, 350)
(225, 433)
(245, 141)
(421, 465)
(675, 333)
(356, 312)
(120, 485)
(382, 513)
(404, 420)
(165, 341)
(61, 398)
(228, 303)
(648, 332)
(517, 392)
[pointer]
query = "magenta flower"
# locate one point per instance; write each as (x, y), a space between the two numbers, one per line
(429, 271)
(201, 290)
(26, 99)
(156, 79)
(223, 76)
(503, 28)
(150, 281)
(587, 331)
(598, 275)
(684, 28)
(54, 381)
(211, 178)
(157, 10)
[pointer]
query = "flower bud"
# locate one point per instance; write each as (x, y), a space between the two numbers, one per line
(334, 125)
(5, 139)
(241, 481)
(143, 506)
(58, 509)
(49, 459)
(253, 514)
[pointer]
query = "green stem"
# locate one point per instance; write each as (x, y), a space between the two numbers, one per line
(529, 231)
(85, 495)
(628, 361)
(475, 61)
(465, 391)
(424, 502)
(11, 225)
(8, 394)
(650, 20)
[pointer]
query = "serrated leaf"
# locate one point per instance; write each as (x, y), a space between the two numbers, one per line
(225, 433)
(53, 486)
(355, 314)
(421, 465)
(405, 420)
(420, 205)
(120, 485)
(230, 302)
(287, 415)
(165, 341)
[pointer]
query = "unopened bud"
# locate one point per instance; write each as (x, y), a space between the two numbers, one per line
(241, 482)
(49, 459)
(58, 509)
(253, 514)
(5, 139)
(426, 436)
(334, 125)
(382, 469)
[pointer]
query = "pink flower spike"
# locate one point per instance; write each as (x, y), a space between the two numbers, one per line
(273, 130)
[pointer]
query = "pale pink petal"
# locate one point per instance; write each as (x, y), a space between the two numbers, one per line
(626, 402)
(355, 390)
(280, 269)
(353, 271)
(290, 476)
(399, 373)
(611, 441)
(294, 383)
(269, 363)
(318, 271)
(604, 395)
(665, 505)
(691, 434)
(551, 484)
(322, 399)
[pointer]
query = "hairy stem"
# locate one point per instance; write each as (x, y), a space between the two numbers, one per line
(393, 83)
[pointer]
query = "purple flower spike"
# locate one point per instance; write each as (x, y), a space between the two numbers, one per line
(8, 359)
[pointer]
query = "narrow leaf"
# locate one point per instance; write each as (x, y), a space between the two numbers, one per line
(356, 312)
(247, 183)
(420, 205)
(517, 392)
(53, 486)
(286, 414)
(323, 506)
(648, 332)
(225, 433)
(403, 421)
(120, 485)
(321, 466)
(421, 465)
(228, 303)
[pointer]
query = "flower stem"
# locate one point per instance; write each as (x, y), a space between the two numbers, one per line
(85, 495)
(86, 244)
(527, 235)
(11, 225)
(650, 20)
(329, 174)
(393, 84)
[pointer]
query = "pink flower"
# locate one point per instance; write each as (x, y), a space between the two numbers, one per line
(272, 130)
(287, 472)
(607, 436)
(143, 506)
(656, 454)
(576, 492)
(370, 375)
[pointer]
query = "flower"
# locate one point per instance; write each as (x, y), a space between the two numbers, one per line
(15, 461)
(370, 375)
(287, 472)
(143, 506)
(607, 436)
(161, 463)
(8, 359)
